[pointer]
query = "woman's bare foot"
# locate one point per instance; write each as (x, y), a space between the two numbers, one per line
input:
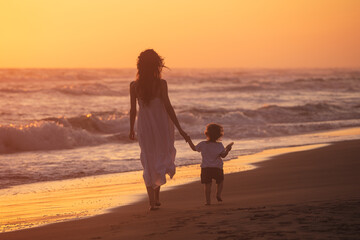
(158, 204)
(219, 198)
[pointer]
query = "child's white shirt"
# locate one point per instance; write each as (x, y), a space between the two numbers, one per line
(210, 152)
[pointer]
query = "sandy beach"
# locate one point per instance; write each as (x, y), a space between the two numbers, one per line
(105, 105)
(311, 194)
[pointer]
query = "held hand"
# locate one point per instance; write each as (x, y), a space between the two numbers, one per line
(132, 135)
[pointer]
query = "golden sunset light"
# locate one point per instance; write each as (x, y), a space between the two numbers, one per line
(203, 33)
(179, 119)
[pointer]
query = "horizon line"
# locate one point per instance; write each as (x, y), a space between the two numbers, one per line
(169, 68)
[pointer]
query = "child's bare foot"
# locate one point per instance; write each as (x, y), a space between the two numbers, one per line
(219, 198)
(158, 204)
(207, 204)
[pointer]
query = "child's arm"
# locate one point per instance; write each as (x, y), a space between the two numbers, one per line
(191, 144)
(227, 150)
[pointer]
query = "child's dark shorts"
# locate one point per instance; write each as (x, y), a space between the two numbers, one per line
(209, 173)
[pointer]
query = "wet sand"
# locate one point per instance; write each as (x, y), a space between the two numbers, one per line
(311, 194)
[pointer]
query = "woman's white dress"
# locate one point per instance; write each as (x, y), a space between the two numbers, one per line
(156, 139)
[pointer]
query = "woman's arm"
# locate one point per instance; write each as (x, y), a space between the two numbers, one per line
(170, 110)
(132, 110)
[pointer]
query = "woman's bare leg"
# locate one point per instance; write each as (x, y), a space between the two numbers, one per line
(151, 196)
(208, 193)
(157, 196)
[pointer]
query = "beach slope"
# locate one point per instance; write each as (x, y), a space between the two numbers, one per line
(303, 195)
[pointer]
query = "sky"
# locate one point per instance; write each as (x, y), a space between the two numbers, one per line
(187, 33)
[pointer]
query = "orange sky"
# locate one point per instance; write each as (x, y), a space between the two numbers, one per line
(188, 33)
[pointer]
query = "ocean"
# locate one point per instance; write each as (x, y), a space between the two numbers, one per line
(60, 124)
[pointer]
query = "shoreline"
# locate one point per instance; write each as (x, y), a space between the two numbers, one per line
(291, 182)
(326, 136)
(75, 199)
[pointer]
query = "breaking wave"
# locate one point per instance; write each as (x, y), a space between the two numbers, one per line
(103, 127)
(44, 136)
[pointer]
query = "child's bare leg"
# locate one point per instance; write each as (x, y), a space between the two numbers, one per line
(219, 189)
(151, 196)
(157, 196)
(208, 193)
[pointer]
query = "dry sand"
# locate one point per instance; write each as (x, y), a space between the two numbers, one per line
(304, 195)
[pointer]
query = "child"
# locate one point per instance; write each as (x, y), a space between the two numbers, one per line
(212, 150)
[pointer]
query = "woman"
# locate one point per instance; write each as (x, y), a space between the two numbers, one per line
(155, 125)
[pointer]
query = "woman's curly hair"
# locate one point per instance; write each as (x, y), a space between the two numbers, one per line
(149, 66)
(214, 132)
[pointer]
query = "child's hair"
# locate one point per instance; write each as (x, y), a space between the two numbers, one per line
(214, 132)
